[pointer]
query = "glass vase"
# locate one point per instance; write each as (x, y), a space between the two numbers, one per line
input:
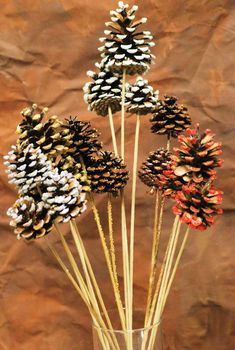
(148, 338)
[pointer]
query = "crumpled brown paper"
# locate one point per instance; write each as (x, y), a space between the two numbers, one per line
(46, 47)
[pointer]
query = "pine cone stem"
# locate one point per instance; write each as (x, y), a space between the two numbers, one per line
(96, 318)
(111, 240)
(112, 129)
(186, 235)
(155, 252)
(153, 255)
(108, 259)
(89, 273)
(161, 288)
(89, 297)
(168, 145)
(133, 200)
(125, 258)
(123, 115)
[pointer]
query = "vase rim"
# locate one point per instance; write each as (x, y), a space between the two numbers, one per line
(121, 331)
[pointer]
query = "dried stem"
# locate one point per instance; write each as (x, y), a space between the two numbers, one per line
(112, 131)
(111, 240)
(108, 260)
(133, 201)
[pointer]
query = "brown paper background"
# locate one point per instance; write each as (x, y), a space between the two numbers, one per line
(46, 47)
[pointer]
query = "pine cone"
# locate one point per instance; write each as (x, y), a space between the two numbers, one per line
(76, 169)
(124, 46)
(30, 218)
(170, 182)
(107, 173)
(27, 168)
(48, 136)
(84, 140)
(170, 118)
(103, 92)
(197, 156)
(197, 207)
(153, 168)
(63, 196)
(140, 97)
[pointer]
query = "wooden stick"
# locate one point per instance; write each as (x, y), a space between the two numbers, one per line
(125, 250)
(165, 279)
(112, 131)
(168, 145)
(132, 227)
(89, 271)
(89, 275)
(107, 258)
(123, 115)
(159, 284)
(125, 259)
(153, 256)
(84, 297)
(175, 268)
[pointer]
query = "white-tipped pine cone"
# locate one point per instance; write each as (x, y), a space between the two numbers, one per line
(30, 218)
(63, 196)
(140, 97)
(27, 167)
(124, 45)
(48, 135)
(103, 92)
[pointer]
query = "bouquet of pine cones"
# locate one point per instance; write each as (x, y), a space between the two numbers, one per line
(59, 167)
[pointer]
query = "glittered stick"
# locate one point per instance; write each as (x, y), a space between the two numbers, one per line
(111, 239)
(108, 259)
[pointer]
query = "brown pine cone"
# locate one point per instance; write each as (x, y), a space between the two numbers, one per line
(84, 140)
(107, 173)
(30, 218)
(125, 46)
(153, 168)
(170, 118)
